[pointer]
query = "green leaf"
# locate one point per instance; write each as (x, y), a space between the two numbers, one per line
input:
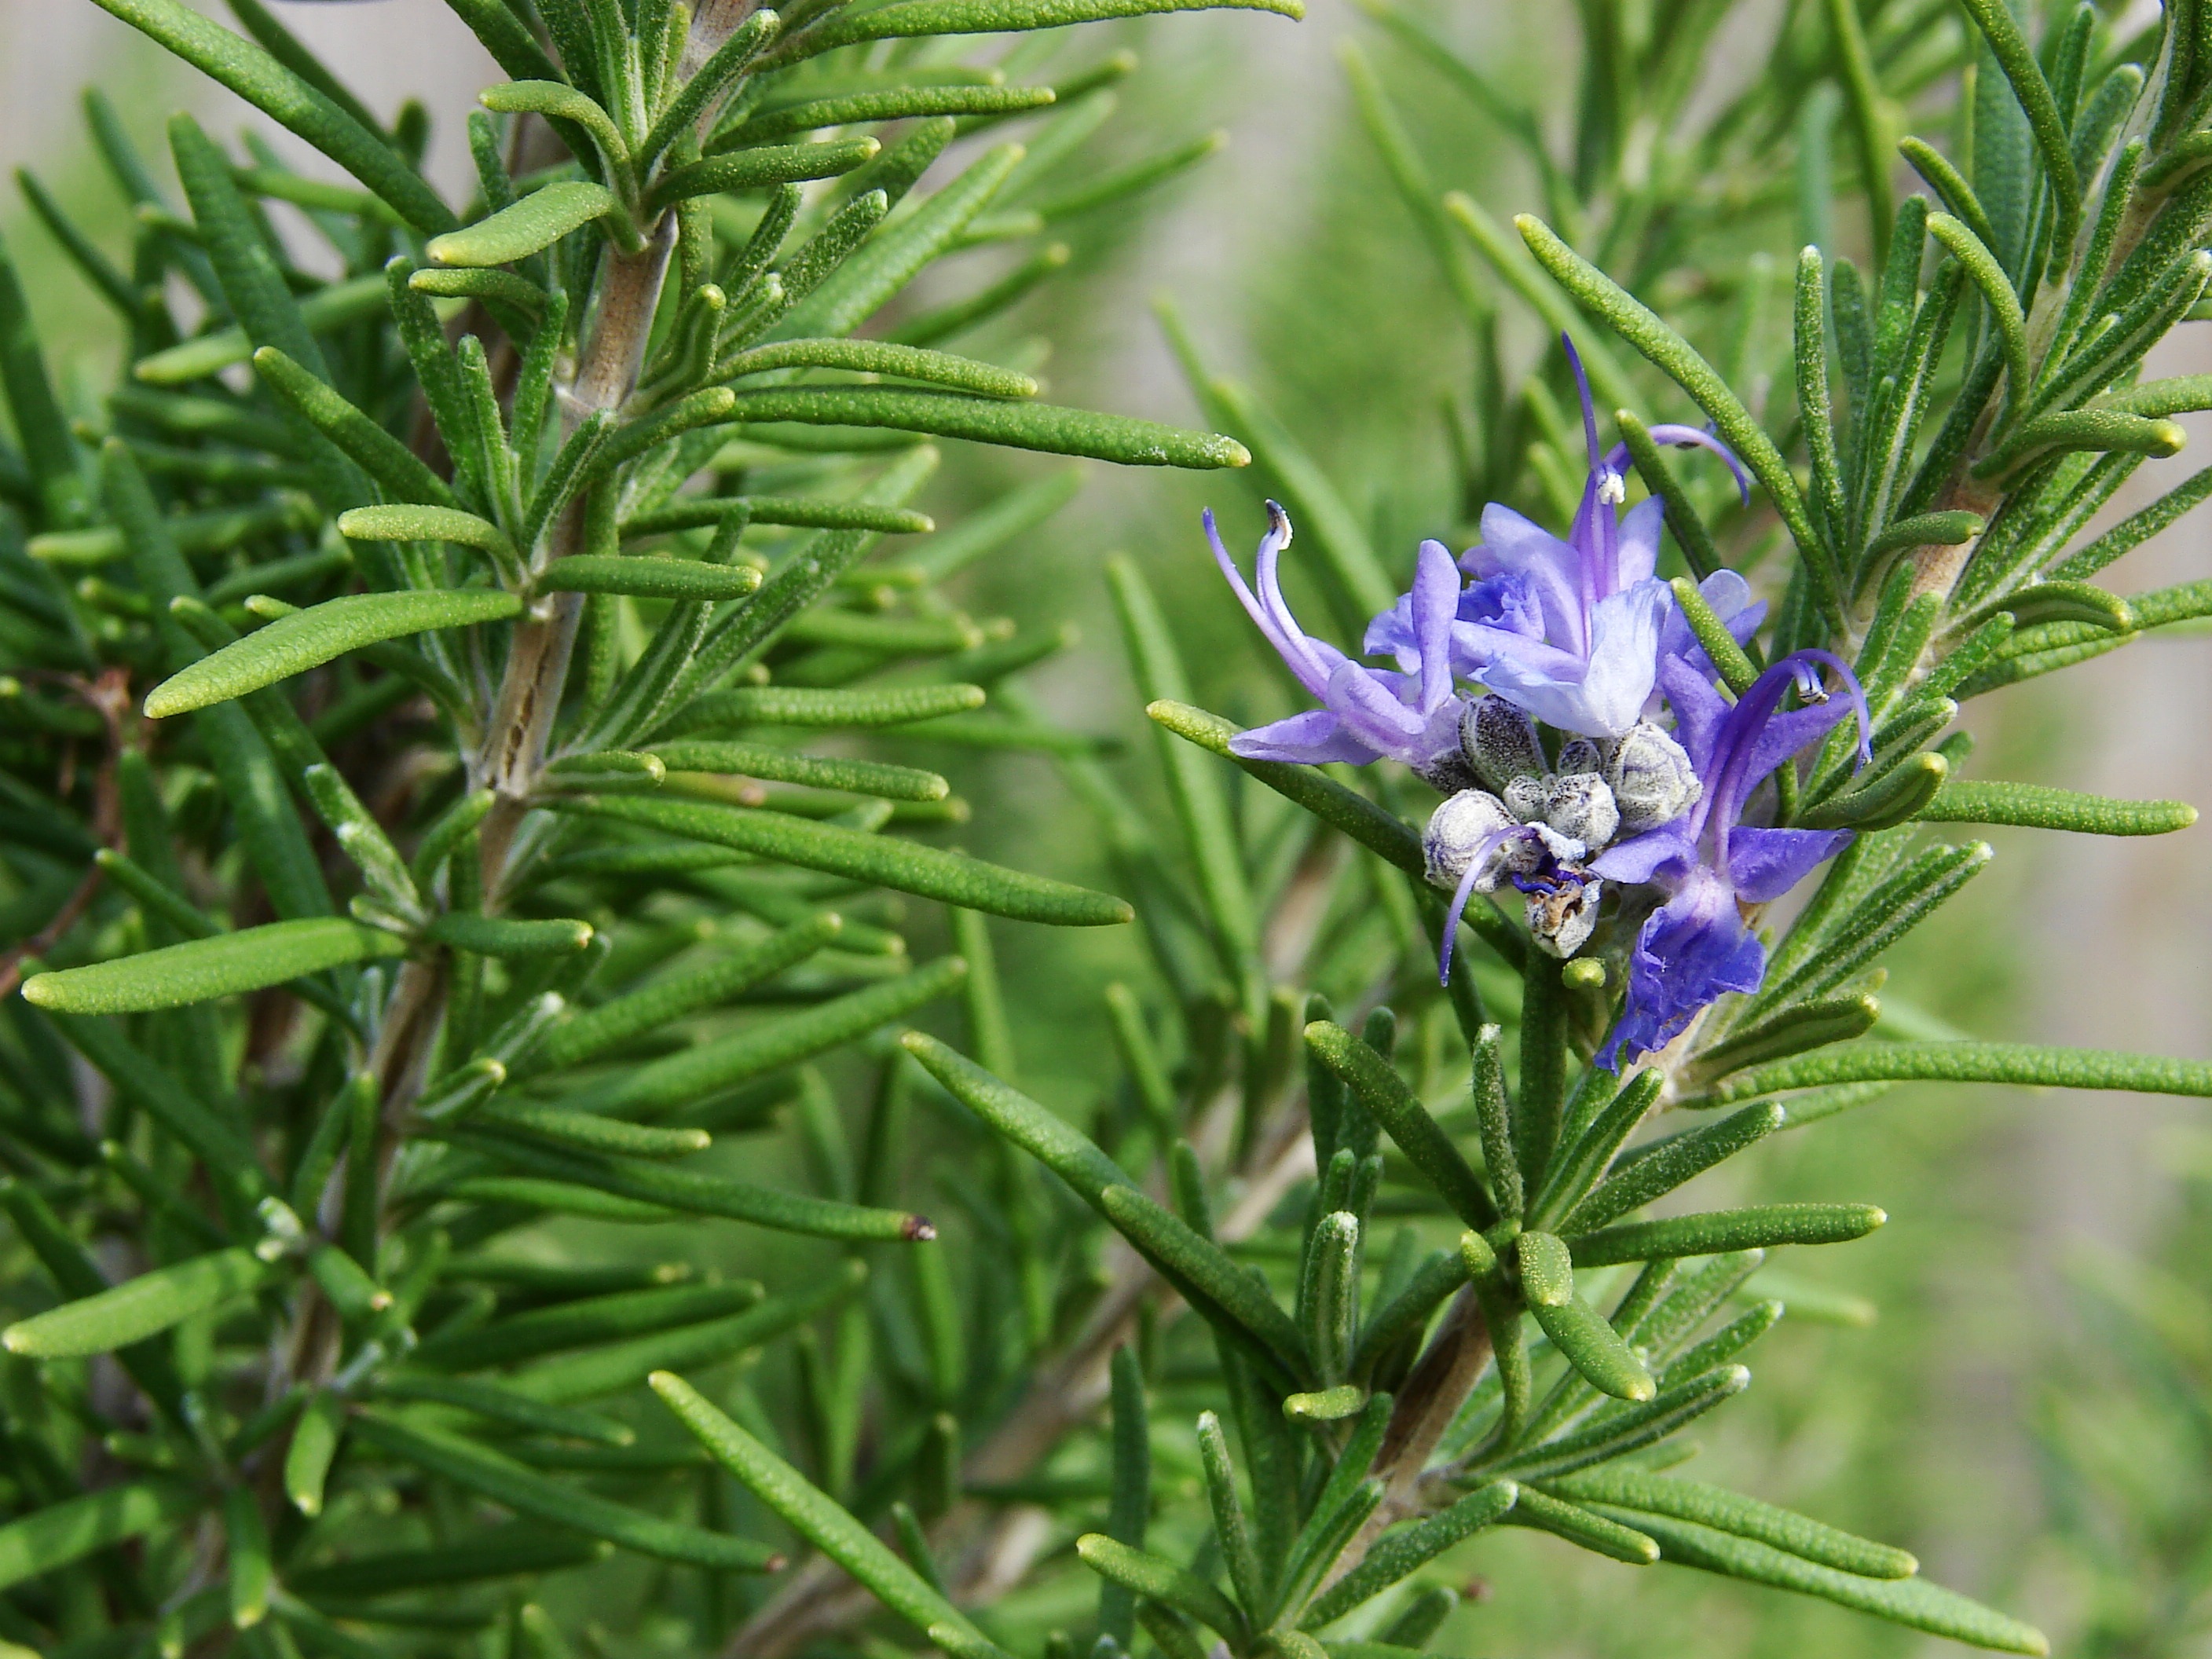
(1396, 1554)
(204, 354)
(138, 1307)
(1206, 1276)
(2026, 1064)
(1735, 668)
(2061, 602)
(1194, 787)
(1377, 1086)
(695, 1072)
(51, 1538)
(758, 169)
(376, 452)
(1668, 1164)
(2010, 46)
(412, 522)
(673, 996)
(591, 1133)
(1761, 1227)
(1794, 1030)
(879, 861)
(1054, 431)
(1619, 1430)
(909, 18)
(881, 357)
(1731, 1512)
(590, 1322)
(791, 705)
(1591, 1345)
(1641, 327)
(1950, 529)
(509, 937)
(506, 1551)
(313, 1448)
(1982, 268)
(814, 1515)
(2035, 806)
(201, 970)
(496, 1404)
(529, 226)
(1913, 1602)
(1380, 831)
(1899, 795)
(477, 1469)
(556, 101)
(612, 1367)
(774, 1208)
(692, 512)
(260, 79)
(1585, 1527)
(1060, 1148)
(1157, 1580)
(308, 639)
(755, 760)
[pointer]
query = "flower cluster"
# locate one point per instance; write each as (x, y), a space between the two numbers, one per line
(1588, 756)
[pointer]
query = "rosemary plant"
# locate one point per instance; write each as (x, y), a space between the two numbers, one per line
(419, 850)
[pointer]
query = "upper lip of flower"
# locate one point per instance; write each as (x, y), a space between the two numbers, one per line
(1373, 709)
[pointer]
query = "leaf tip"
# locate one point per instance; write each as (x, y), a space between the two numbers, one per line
(919, 1229)
(40, 991)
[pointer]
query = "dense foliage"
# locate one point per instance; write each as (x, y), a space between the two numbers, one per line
(418, 837)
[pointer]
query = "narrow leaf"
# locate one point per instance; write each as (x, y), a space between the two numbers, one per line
(308, 639)
(201, 970)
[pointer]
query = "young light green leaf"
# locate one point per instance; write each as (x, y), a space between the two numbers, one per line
(532, 225)
(508, 937)
(137, 1308)
(201, 970)
(308, 639)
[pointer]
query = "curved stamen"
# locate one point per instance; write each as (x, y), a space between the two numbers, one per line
(1465, 892)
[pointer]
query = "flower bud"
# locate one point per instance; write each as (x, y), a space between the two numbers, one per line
(1583, 808)
(1499, 742)
(1580, 755)
(1651, 779)
(1577, 806)
(1461, 827)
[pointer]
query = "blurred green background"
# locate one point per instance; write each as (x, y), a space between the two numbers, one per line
(2045, 1253)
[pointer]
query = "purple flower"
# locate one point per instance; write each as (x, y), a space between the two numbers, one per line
(1695, 946)
(1366, 713)
(1569, 630)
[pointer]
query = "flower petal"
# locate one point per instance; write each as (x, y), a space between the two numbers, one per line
(1640, 541)
(1764, 863)
(1307, 740)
